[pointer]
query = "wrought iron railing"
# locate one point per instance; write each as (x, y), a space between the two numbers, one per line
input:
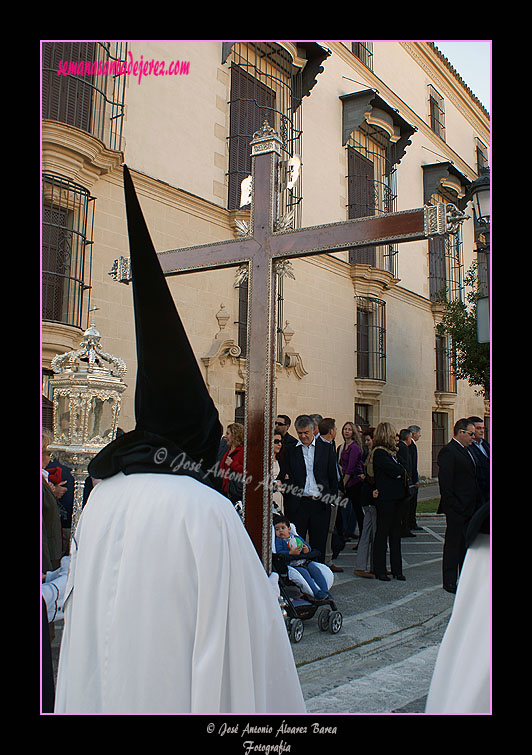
(67, 224)
(364, 52)
(82, 86)
(371, 338)
(263, 88)
(372, 190)
(445, 372)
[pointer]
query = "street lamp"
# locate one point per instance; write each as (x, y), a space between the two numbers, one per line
(87, 390)
(480, 194)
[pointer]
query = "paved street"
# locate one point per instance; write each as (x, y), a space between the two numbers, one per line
(382, 659)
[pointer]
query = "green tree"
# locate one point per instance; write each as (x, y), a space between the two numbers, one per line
(472, 359)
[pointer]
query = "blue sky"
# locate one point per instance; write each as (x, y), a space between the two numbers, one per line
(472, 60)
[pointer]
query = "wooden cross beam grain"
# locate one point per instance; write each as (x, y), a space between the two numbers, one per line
(261, 250)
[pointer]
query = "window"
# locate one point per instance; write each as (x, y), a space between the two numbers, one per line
(371, 338)
(91, 97)
(263, 88)
(445, 263)
(371, 187)
(251, 104)
(364, 52)
(240, 406)
(362, 415)
(47, 400)
(482, 156)
(445, 374)
(242, 322)
(439, 438)
(67, 220)
(437, 112)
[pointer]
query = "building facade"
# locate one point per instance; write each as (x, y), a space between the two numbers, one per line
(366, 128)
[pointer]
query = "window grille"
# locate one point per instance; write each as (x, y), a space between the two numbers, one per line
(445, 358)
(263, 88)
(364, 52)
(280, 315)
(240, 406)
(371, 338)
(362, 415)
(440, 436)
(67, 223)
(242, 322)
(445, 263)
(437, 112)
(372, 189)
(90, 98)
(482, 156)
(47, 403)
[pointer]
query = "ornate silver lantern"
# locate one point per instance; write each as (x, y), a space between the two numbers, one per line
(87, 390)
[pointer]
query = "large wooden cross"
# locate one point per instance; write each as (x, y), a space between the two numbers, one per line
(261, 250)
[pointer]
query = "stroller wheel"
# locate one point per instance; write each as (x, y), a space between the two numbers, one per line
(296, 630)
(335, 622)
(324, 619)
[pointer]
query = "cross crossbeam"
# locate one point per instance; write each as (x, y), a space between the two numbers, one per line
(261, 249)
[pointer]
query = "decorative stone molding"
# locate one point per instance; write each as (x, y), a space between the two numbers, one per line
(70, 152)
(371, 281)
(223, 347)
(444, 400)
(239, 222)
(438, 310)
(58, 338)
(369, 390)
(292, 361)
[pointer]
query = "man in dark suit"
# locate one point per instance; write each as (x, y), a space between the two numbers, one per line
(282, 425)
(405, 459)
(460, 497)
(415, 430)
(480, 448)
(311, 479)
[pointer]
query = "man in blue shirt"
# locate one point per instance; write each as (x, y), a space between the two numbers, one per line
(311, 484)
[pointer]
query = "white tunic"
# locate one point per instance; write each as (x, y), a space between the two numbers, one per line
(168, 608)
(461, 678)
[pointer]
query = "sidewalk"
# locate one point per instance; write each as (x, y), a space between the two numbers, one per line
(431, 490)
(382, 659)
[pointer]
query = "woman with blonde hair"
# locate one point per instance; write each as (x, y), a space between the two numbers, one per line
(232, 464)
(390, 481)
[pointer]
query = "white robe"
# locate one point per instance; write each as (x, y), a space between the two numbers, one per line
(461, 678)
(168, 608)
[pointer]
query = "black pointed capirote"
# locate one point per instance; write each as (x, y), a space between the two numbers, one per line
(172, 403)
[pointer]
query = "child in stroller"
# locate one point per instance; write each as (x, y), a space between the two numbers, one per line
(304, 584)
(286, 543)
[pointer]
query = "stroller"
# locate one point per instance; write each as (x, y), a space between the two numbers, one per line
(298, 604)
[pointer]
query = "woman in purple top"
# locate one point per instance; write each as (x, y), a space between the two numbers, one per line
(350, 457)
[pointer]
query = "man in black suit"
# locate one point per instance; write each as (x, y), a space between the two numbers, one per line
(480, 448)
(282, 425)
(415, 430)
(311, 483)
(405, 459)
(460, 497)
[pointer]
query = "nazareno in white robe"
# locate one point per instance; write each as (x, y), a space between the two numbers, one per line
(168, 608)
(461, 679)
